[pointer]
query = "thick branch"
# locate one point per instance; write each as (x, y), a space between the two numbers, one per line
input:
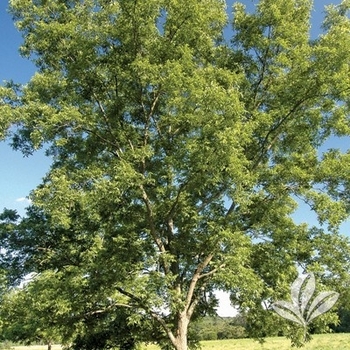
(165, 327)
(196, 299)
(101, 311)
(195, 278)
(153, 314)
(212, 272)
(131, 296)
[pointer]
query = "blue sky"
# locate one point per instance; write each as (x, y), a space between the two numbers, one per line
(20, 175)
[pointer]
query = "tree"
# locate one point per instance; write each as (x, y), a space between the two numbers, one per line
(48, 311)
(178, 160)
(30, 313)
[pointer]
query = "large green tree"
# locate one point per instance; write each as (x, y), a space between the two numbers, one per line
(179, 159)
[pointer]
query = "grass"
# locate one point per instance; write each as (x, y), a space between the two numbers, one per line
(319, 342)
(37, 347)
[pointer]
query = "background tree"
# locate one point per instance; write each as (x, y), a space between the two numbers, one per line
(178, 160)
(30, 314)
(210, 328)
(58, 303)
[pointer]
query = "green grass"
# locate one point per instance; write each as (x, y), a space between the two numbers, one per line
(318, 342)
(37, 347)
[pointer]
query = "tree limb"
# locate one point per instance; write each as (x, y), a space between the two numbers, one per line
(195, 278)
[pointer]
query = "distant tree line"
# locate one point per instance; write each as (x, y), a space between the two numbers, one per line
(213, 328)
(216, 328)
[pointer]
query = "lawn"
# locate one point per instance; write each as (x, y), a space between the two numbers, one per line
(318, 342)
(37, 347)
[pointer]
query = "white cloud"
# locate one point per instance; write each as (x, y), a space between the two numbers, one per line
(23, 200)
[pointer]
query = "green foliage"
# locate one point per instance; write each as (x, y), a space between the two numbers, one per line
(178, 160)
(344, 322)
(212, 328)
(30, 314)
(107, 331)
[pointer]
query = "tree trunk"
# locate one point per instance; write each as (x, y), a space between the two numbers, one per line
(181, 337)
(49, 345)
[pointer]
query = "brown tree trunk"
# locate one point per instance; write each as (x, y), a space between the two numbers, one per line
(49, 345)
(181, 336)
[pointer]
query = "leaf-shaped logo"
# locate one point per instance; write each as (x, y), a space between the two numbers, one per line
(321, 304)
(289, 311)
(302, 290)
(299, 310)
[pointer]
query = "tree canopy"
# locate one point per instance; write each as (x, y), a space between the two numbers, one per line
(179, 156)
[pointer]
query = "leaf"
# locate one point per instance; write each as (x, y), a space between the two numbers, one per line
(321, 304)
(307, 292)
(288, 311)
(296, 287)
(302, 290)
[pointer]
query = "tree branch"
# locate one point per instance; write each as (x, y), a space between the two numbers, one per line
(212, 272)
(131, 296)
(195, 278)
(110, 131)
(165, 327)
(265, 146)
(101, 311)
(153, 230)
(153, 314)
